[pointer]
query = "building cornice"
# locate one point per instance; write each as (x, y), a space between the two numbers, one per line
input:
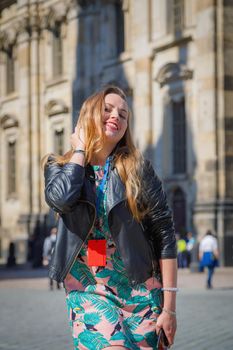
(172, 43)
(34, 20)
(6, 3)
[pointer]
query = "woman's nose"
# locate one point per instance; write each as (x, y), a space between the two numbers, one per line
(115, 113)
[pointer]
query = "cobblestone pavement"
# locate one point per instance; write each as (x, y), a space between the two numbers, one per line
(32, 317)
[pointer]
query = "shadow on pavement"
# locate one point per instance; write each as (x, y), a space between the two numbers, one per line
(22, 271)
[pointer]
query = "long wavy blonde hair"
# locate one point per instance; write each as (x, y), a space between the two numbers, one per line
(127, 158)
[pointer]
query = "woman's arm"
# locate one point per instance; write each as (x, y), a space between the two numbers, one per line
(169, 274)
(167, 319)
(63, 185)
(162, 233)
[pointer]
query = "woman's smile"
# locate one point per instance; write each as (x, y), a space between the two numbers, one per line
(112, 126)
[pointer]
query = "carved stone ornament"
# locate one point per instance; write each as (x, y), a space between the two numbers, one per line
(8, 121)
(4, 41)
(173, 72)
(23, 24)
(55, 107)
(8, 39)
(53, 16)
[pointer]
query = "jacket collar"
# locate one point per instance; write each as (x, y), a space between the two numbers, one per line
(115, 188)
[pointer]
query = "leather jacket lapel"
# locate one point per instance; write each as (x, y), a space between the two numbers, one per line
(89, 182)
(115, 190)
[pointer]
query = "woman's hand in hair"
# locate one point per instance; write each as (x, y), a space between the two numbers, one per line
(77, 139)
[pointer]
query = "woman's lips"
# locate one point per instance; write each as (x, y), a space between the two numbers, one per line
(112, 126)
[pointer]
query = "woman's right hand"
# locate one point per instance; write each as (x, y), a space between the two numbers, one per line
(77, 139)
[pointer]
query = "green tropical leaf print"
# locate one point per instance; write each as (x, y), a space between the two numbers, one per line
(117, 263)
(76, 343)
(82, 273)
(92, 318)
(118, 336)
(139, 308)
(104, 273)
(93, 340)
(108, 309)
(120, 282)
(77, 298)
(133, 338)
(156, 295)
(138, 337)
(72, 304)
(151, 339)
(138, 299)
(117, 280)
(124, 291)
(91, 288)
(132, 322)
(114, 299)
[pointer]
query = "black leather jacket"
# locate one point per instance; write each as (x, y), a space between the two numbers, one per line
(69, 191)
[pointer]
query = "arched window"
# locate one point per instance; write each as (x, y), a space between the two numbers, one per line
(179, 137)
(57, 51)
(179, 210)
(9, 125)
(11, 159)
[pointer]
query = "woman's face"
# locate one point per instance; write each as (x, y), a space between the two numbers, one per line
(115, 117)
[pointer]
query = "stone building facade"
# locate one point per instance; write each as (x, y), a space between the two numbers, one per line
(173, 59)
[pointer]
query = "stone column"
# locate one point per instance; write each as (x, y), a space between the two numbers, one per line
(35, 108)
(142, 83)
(225, 87)
(214, 207)
(205, 210)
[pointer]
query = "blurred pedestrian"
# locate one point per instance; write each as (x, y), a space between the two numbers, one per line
(49, 245)
(208, 256)
(190, 243)
(116, 247)
(181, 251)
(11, 259)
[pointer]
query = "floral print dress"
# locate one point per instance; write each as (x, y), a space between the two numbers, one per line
(103, 308)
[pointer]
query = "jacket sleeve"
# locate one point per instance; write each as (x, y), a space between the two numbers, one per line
(158, 221)
(63, 185)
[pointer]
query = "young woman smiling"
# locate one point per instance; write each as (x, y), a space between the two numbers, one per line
(116, 247)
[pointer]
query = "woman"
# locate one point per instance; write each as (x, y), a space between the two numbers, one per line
(115, 234)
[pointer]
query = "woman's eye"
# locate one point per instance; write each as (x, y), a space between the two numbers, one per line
(122, 116)
(106, 109)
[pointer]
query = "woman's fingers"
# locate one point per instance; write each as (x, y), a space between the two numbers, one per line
(77, 138)
(168, 323)
(170, 336)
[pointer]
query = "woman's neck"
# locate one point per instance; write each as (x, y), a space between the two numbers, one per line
(101, 157)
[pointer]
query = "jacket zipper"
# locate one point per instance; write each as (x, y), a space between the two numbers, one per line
(73, 260)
